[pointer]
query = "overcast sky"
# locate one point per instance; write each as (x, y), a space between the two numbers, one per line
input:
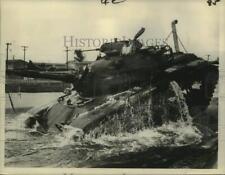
(43, 24)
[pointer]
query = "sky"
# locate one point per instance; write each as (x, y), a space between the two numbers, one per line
(43, 25)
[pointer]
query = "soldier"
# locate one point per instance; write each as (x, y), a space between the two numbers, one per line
(128, 48)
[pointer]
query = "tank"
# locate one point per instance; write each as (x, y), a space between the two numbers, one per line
(149, 81)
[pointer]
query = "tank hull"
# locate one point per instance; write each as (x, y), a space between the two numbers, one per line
(88, 113)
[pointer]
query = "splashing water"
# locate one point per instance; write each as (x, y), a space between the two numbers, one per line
(121, 137)
(70, 135)
(16, 127)
(73, 149)
(170, 134)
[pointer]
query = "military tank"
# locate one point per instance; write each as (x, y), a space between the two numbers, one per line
(149, 81)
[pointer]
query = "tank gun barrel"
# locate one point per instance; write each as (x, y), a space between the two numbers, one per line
(139, 33)
(80, 57)
(88, 50)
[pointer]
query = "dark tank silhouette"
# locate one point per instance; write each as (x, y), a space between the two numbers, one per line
(128, 72)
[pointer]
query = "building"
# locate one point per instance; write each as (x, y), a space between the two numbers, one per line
(48, 66)
(15, 83)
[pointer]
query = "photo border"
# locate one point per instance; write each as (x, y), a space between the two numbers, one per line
(109, 171)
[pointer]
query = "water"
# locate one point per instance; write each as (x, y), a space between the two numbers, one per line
(27, 100)
(177, 144)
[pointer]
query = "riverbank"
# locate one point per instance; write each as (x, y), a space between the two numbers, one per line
(34, 85)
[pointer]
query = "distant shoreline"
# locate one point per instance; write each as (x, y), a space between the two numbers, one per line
(21, 85)
(18, 110)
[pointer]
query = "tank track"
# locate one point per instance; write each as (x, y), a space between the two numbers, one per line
(159, 108)
(201, 97)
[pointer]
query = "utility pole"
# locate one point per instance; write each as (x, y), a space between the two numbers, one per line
(208, 57)
(24, 54)
(7, 54)
(67, 57)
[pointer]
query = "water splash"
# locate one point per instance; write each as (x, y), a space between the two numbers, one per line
(70, 135)
(173, 134)
(178, 133)
(16, 127)
(134, 128)
(130, 132)
(131, 119)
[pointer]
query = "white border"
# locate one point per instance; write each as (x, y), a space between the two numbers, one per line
(221, 151)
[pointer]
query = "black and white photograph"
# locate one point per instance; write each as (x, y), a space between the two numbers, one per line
(122, 84)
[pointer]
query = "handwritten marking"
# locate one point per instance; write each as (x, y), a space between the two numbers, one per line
(112, 1)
